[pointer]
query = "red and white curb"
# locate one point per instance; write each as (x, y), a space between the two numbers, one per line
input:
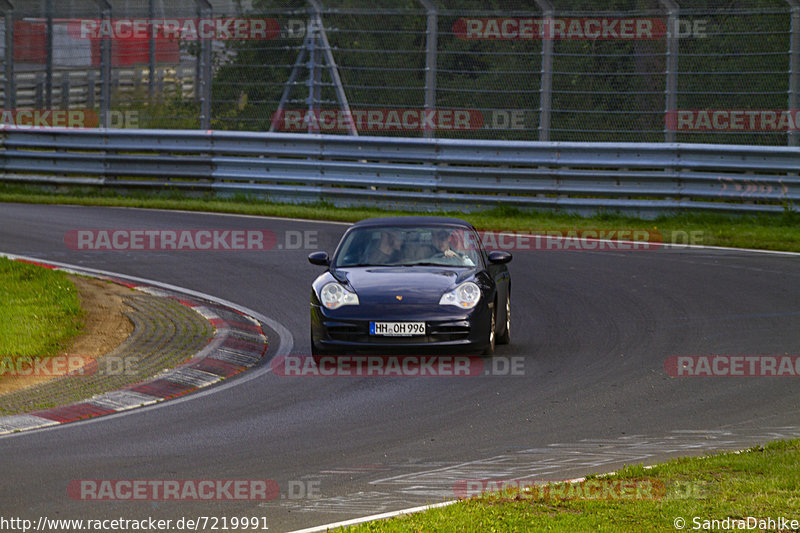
(238, 343)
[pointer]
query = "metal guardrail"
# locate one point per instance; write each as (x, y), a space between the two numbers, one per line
(640, 178)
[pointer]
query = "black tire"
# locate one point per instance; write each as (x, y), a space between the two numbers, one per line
(316, 353)
(505, 337)
(489, 351)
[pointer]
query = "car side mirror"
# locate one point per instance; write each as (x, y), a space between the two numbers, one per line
(499, 257)
(319, 258)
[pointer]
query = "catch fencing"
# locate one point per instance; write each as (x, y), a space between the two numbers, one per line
(542, 70)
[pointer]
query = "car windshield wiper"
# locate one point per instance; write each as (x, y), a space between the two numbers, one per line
(363, 265)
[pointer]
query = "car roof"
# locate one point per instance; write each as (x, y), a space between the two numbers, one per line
(413, 221)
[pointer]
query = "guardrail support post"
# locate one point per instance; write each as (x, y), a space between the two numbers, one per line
(431, 46)
(546, 73)
(794, 69)
(204, 69)
(671, 72)
(8, 67)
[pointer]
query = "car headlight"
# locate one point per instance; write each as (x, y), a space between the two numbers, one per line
(334, 295)
(465, 296)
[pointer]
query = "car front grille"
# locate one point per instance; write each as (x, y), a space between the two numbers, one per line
(359, 333)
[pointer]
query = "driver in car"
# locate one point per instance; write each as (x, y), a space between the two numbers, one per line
(443, 253)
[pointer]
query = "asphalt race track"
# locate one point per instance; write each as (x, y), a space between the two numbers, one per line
(592, 328)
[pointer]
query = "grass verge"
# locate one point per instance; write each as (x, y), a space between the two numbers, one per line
(746, 488)
(767, 232)
(40, 311)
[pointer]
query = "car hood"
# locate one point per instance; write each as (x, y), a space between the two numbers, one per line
(415, 285)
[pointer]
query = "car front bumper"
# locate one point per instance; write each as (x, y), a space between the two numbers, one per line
(446, 332)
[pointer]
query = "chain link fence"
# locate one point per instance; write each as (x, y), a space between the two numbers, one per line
(634, 70)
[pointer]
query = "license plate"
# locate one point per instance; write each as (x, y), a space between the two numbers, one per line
(401, 329)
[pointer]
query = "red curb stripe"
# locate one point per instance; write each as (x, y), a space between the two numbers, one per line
(242, 345)
(72, 412)
(218, 367)
(250, 328)
(126, 284)
(36, 263)
(162, 388)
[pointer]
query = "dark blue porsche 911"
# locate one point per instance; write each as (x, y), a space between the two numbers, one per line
(402, 284)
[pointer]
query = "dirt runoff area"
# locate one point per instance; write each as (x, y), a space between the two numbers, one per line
(105, 328)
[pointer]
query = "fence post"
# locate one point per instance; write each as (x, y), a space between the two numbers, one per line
(546, 73)
(48, 69)
(38, 97)
(8, 70)
(151, 50)
(65, 88)
(794, 68)
(91, 88)
(671, 73)
(431, 46)
(105, 67)
(204, 69)
(314, 74)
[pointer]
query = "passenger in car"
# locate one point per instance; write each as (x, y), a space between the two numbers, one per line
(387, 249)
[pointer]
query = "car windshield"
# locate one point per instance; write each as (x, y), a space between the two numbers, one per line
(409, 246)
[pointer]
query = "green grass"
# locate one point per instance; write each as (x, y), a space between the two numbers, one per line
(762, 482)
(40, 311)
(763, 231)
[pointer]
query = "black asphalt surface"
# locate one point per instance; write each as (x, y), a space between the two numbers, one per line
(593, 328)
